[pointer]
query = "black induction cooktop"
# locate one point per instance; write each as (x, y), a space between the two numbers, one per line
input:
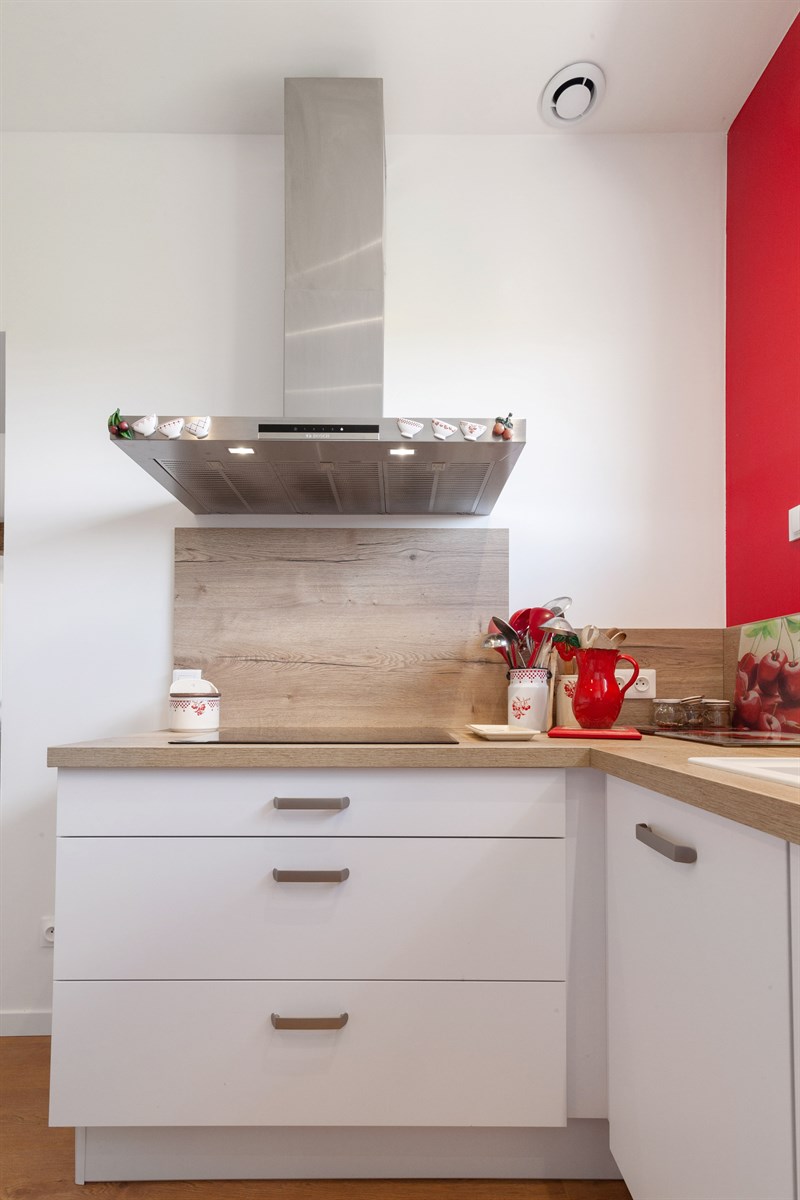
(730, 737)
(320, 737)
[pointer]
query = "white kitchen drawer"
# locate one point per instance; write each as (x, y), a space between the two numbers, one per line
(382, 803)
(411, 908)
(148, 1053)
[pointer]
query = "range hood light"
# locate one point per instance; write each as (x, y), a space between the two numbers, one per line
(403, 450)
(241, 450)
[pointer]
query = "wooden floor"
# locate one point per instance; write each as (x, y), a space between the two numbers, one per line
(36, 1162)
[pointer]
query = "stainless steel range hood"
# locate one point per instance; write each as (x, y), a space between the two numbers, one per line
(333, 451)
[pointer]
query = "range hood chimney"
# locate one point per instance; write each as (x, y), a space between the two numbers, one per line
(333, 300)
(333, 451)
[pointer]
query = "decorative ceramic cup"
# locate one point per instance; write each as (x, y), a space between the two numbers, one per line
(471, 430)
(408, 427)
(199, 426)
(442, 430)
(528, 693)
(146, 425)
(565, 690)
(193, 712)
(172, 429)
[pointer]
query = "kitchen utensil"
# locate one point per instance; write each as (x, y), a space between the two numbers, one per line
(536, 618)
(560, 605)
(495, 642)
(588, 636)
(549, 629)
(520, 619)
(598, 697)
(511, 636)
(604, 642)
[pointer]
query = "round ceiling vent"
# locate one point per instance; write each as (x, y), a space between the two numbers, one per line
(572, 94)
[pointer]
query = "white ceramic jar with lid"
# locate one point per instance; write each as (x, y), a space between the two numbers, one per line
(194, 703)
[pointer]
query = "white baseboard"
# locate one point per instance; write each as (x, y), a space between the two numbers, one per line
(25, 1022)
(577, 1151)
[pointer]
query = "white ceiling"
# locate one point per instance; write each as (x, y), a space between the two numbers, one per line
(449, 66)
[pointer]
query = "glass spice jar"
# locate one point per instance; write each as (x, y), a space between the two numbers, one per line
(716, 714)
(693, 712)
(668, 714)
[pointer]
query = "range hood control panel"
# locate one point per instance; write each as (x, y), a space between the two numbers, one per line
(300, 429)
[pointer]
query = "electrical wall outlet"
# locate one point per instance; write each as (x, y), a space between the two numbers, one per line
(794, 523)
(643, 689)
(47, 932)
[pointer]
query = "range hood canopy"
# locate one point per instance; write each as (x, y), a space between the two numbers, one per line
(346, 457)
(250, 466)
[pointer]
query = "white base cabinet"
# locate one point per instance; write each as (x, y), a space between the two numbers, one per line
(699, 1004)
(419, 916)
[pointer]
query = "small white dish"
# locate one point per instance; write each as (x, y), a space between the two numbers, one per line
(199, 426)
(408, 427)
(442, 430)
(471, 430)
(503, 733)
(172, 429)
(146, 425)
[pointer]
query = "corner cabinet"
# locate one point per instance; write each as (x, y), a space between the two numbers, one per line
(699, 1003)
(310, 948)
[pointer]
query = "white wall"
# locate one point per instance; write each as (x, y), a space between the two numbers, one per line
(577, 281)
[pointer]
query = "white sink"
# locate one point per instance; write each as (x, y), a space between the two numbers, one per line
(776, 770)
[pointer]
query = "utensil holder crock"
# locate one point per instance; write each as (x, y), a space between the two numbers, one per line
(528, 692)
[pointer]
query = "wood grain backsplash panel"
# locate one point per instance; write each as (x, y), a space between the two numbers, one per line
(688, 662)
(343, 627)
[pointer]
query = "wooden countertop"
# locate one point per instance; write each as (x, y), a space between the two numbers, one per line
(657, 763)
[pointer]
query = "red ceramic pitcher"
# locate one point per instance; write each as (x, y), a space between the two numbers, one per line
(598, 696)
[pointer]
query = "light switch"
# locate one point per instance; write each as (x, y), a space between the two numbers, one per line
(794, 523)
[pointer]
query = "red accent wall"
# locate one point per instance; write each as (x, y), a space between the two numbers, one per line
(763, 343)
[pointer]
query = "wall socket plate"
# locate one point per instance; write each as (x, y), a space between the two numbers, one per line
(794, 523)
(643, 689)
(47, 932)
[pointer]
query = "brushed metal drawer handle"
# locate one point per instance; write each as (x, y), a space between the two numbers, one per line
(662, 845)
(309, 1022)
(312, 803)
(310, 876)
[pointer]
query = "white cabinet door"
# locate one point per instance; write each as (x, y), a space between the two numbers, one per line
(206, 1053)
(211, 908)
(700, 1088)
